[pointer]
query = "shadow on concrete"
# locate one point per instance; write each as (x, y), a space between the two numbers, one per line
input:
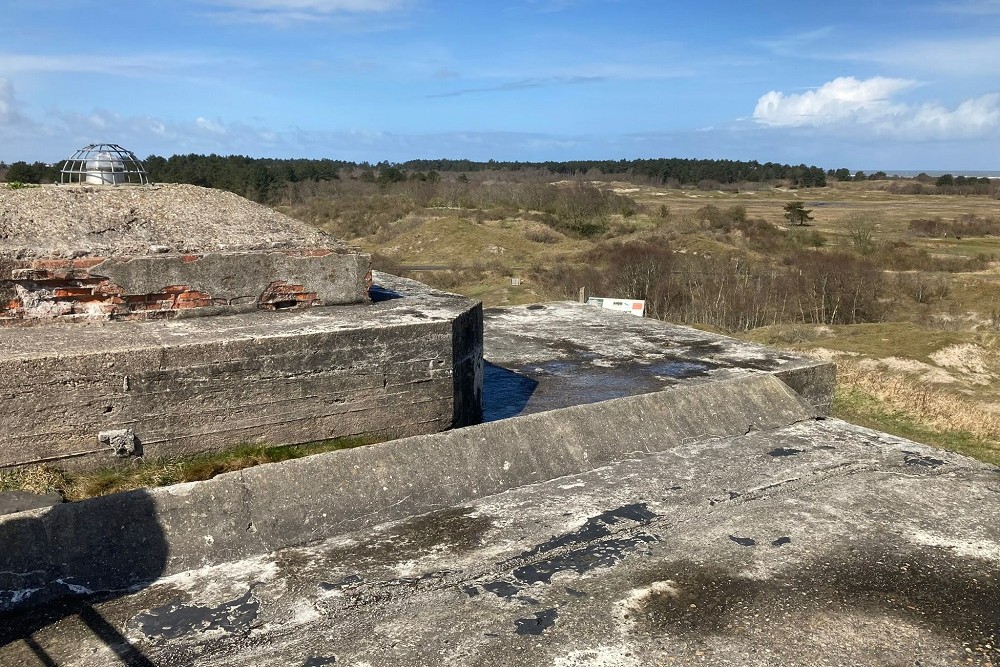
(505, 392)
(377, 293)
(68, 561)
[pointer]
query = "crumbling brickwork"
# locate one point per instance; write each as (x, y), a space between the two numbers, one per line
(38, 291)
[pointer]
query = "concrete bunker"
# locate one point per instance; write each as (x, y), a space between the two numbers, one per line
(191, 319)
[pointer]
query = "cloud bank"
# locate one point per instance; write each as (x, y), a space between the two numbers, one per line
(868, 106)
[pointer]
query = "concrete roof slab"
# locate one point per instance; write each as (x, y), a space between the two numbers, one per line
(817, 543)
(717, 521)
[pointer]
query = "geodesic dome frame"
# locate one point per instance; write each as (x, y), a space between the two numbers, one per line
(103, 164)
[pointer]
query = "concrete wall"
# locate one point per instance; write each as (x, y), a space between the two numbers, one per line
(167, 285)
(126, 539)
(69, 394)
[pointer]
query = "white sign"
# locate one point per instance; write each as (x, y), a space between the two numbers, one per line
(635, 307)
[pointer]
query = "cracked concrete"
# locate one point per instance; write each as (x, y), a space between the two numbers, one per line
(847, 551)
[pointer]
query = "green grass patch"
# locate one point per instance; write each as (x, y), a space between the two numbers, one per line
(127, 476)
(860, 408)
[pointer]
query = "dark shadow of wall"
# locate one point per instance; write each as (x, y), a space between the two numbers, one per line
(505, 392)
(56, 562)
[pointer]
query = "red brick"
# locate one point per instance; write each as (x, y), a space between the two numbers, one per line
(191, 295)
(72, 291)
(51, 264)
(195, 303)
(108, 288)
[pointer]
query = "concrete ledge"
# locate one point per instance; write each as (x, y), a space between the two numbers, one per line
(124, 540)
(398, 368)
(570, 353)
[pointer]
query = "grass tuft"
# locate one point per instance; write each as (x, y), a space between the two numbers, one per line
(128, 476)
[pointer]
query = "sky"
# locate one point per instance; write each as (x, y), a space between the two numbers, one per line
(880, 84)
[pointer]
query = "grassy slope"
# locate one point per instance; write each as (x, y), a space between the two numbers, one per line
(959, 319)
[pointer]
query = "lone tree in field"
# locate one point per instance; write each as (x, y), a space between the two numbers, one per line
(796, 213)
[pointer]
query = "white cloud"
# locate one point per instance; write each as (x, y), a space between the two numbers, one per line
(8, 105)
(211, 126)
(838, 100)
(861, 107)
(976, 117)
(282, 12)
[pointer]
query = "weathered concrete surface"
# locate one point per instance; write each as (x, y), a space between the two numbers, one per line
(816, 543)
(546, 356)
(249, 512)
(170, 285)
(22, 501)
(553, 355)
(71, 253)
(67, 221)
(393, 369)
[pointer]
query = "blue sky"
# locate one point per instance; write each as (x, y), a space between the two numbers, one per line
(878, 84)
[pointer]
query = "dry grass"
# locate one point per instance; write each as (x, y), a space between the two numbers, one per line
(929, 405)
(79, 485)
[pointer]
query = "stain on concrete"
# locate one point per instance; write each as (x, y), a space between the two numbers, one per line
(597, 527)
(413, 312)
(387, 590)
(501, 589)
(761, 364)
(930, 587)
(453, 529)
(320, 661)
(542, 621)
(580, 550)
(914, 459)
(588, 378)
(704, 348)
(177, 619)
(350, 581)
(779, 452)
(680, 369)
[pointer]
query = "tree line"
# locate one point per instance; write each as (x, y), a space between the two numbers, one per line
(259, 178)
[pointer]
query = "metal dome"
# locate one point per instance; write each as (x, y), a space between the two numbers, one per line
(103, 164)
